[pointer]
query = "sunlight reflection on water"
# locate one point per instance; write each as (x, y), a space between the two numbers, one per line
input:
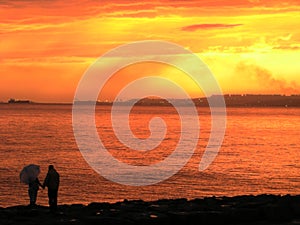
(260, 154)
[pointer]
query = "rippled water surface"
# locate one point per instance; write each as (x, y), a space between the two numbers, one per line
(260, 154)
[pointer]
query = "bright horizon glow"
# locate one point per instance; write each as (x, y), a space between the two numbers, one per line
(252, 47)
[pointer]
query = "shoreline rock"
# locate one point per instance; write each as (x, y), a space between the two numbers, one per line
(260, 209)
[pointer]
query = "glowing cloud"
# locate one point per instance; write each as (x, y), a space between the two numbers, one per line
(195, 27)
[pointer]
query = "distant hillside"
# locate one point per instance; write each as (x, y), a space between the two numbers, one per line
(247, 100)
(261, 100)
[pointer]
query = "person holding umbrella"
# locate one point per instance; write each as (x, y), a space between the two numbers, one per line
(52, 182)
(33, 188)
(29, 176)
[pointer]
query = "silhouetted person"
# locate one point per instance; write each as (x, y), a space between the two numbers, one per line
(52, 183)
(33, 188)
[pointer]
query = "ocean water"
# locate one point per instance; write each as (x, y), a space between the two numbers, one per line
(260, 154)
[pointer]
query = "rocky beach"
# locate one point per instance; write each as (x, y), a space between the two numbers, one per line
(260, 209)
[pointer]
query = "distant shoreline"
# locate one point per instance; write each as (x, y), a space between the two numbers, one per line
(239, 101)
(199, 106)
(165, 106)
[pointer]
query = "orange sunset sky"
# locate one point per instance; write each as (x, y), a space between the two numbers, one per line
(251, 46)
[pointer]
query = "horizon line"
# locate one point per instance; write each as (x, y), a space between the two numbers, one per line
(28, 101)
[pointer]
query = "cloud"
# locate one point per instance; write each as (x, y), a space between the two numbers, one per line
(287, 47)
(254, 74)
(286, 38)
(204, 26)
(254, 1)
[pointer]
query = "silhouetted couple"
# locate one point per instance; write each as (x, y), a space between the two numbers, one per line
(51, 182)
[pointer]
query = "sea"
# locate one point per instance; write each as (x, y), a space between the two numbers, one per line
(260, 154)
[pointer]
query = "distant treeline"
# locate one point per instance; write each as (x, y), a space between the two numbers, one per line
(257, 100)
(230, 101)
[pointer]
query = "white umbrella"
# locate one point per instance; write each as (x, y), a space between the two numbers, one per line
(29, 173)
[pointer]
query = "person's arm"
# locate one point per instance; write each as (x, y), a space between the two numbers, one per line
(46, 181)
(39, 183)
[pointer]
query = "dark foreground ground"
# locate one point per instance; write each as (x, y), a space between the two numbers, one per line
(262, 209)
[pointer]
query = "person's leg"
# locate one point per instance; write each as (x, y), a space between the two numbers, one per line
(51, 197)
(34, 196)
(55, 198)
(31, 196)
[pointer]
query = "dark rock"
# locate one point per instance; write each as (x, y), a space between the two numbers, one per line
(262, 209)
